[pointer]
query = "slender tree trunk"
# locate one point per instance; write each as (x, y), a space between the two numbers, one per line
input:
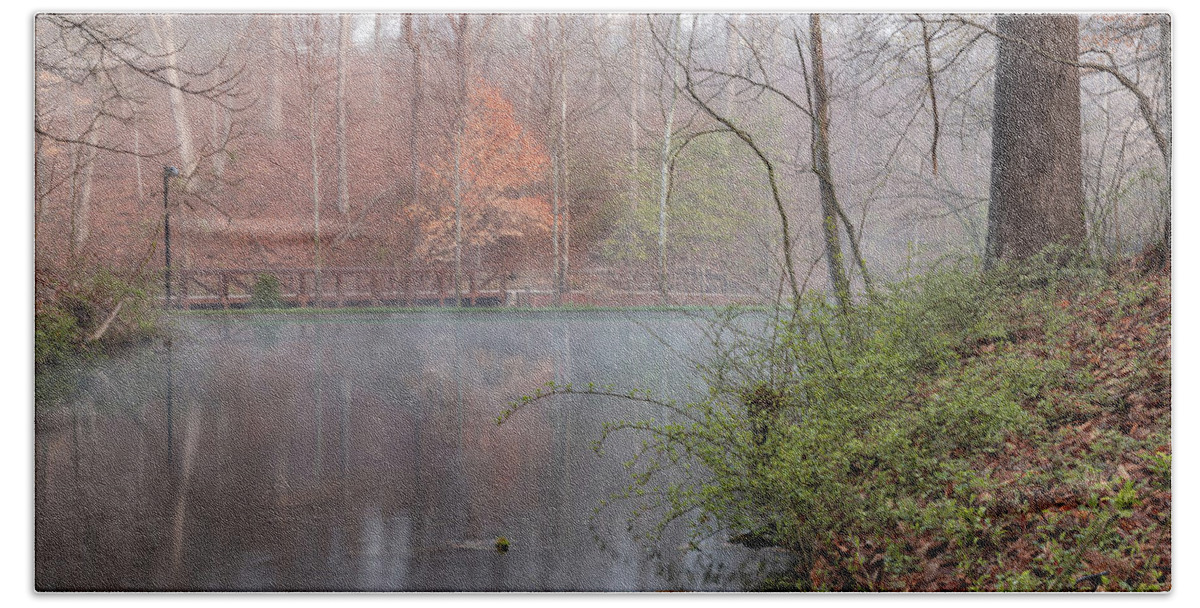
(458, 217)
(412, 38)
(1037, 150)
(564, 176)
(314, 156)
(664, 170)
(343, 204)
(274, 87)
(460, 32)
(929, 78)
(40, 179)
(838, 280)
(663, 179)
(377, 69)
(220, 122)
(1164, 49)
(555, 176)
(82, 211)
(635, 102)
(73, 195)
(555, 196)
(137, 163)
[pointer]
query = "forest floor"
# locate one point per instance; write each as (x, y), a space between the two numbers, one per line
(1082, 499)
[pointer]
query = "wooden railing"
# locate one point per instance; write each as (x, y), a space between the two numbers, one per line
(684, 279)
(334, 287)
(434, 286)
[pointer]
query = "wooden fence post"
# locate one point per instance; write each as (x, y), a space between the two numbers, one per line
(301, 291)
(184, 278)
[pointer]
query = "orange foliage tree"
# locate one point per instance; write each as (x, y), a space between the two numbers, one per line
(500, 163)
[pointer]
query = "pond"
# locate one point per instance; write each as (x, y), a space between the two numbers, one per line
(361, 452)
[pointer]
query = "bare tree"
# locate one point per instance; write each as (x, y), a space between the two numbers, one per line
(413, 37)
(275, 86)
(665, 156)
(308, 43)
(379, 50)
(814, 106)
(84, 161)
(460, 25)
(692, 87)
(549, 45)
(111, 63)
(164, 31)
(635, 102)
(824, 169)
(562, 202)
(343, 201)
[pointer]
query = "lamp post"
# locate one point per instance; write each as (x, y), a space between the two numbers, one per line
(168, 173)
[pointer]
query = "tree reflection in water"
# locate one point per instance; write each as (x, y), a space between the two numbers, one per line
(358, 452)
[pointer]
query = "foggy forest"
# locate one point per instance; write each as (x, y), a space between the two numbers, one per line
(863, 302)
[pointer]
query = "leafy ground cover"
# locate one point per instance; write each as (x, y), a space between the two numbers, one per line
(1008, 431)
(1036, 457)
(1079, 496)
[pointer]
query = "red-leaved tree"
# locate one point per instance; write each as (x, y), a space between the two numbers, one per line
(500, 165)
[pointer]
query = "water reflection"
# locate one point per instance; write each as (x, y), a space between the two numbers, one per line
(358, 453)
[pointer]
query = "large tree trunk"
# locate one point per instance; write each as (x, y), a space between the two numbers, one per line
(1037, 174)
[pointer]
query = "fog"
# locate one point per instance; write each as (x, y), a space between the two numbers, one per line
(600, 184)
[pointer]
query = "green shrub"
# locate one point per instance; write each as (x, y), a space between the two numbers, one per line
(832, 434)
(266, 293)
(55, 336)
(70, 322)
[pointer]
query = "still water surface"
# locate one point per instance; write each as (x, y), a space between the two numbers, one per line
(361, 452)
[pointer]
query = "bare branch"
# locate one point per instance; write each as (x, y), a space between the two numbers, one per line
(1145, 106)
(689, 87)
(932, 92)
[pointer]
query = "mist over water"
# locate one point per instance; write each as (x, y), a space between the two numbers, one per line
(361, 452)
